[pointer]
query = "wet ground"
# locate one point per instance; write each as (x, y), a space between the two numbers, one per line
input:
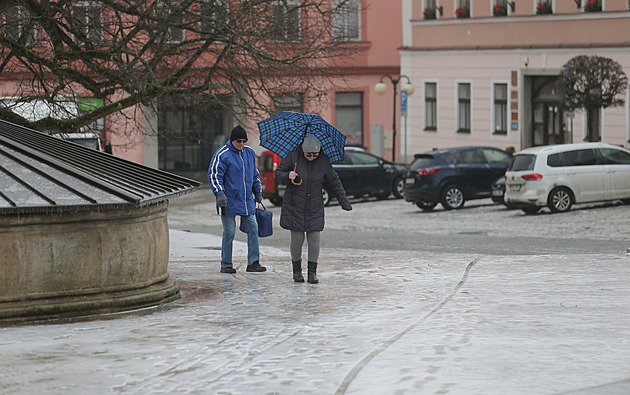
(381, 321)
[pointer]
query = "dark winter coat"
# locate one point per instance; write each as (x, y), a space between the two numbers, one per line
(234, 173)
(303, 205)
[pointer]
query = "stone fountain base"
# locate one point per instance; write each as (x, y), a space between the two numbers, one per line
(84, 263)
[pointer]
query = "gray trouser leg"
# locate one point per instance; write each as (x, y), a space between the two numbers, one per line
(313, 245)
(297, 241)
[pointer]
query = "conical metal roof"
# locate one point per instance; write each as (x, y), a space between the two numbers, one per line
(42, 173)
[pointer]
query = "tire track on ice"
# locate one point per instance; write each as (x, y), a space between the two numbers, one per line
(354, 372)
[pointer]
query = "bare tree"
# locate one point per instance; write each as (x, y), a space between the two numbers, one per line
(131, 52)
(591, 83)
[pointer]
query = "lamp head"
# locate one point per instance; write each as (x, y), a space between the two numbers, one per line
(380, 88)
(409, 88)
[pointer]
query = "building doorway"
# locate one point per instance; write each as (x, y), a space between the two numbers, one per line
(548, 125)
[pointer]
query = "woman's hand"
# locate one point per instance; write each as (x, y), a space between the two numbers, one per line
(292, 175)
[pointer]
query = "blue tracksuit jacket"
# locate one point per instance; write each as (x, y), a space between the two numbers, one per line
(234, 173)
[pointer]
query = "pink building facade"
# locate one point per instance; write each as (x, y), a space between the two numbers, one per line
(487, 72)
(180, 134)
(351, 105)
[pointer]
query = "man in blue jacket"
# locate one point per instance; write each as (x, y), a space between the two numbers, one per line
(235, 181)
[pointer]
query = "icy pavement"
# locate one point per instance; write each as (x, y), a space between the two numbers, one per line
(378, 323)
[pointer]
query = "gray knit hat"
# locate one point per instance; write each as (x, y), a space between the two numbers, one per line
(311, 144)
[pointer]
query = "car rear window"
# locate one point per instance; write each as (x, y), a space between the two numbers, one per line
(554, 160)
(421, 162)
(266, 163)
(451, 157)
(522, 162)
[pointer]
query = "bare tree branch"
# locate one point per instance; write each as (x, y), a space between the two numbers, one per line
(130, 52)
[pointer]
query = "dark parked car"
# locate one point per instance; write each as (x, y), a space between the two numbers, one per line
(362, 173)
(452, 176)
(498, 190)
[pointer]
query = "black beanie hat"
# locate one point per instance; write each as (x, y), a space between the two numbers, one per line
(238, 133)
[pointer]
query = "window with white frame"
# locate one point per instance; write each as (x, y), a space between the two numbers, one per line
(87, 20)
(170, 21)
(499, 7)
(215, 19)
(592, 5)
(463, 108)
(430, 106)
(349, 116)
(346, 20)
(462, 9)
(430, 9)
(18, 25)
(544, 6)
(286, 20)
(500, 110)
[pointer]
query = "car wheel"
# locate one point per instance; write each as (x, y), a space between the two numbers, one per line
(530, 209)
(426, 206)
(399, 186)
(452, 197)
(326, 196)
(560, 200)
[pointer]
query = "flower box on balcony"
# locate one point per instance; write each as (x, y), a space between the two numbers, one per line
(593, 6)
(499, 10)
(429, 13)
(462, 13)
(543, 9)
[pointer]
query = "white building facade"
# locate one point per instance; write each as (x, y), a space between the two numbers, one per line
(485, 78)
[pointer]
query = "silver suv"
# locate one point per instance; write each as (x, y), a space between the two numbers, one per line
(557, 176)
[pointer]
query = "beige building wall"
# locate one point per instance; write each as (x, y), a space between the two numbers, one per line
(517, 49)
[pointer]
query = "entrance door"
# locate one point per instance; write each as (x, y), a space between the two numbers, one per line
(547, 121)
(548, 126)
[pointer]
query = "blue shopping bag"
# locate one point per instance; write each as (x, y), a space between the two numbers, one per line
(265, 222)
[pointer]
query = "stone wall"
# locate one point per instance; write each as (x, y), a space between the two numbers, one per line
(70, 264)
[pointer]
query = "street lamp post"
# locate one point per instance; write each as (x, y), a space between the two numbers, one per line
(380, 88)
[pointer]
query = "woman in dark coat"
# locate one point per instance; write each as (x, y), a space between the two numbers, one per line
(304, 171)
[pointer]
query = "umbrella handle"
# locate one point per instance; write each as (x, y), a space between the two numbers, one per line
(294, 170)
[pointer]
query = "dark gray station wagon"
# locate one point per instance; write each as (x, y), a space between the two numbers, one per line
(452, 176)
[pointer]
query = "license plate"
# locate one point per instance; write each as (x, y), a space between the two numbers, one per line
(515, 187)
(410, 181)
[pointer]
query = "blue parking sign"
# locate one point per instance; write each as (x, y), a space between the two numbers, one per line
(403, 102)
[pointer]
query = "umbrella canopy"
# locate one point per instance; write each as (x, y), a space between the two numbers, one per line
(285, 131)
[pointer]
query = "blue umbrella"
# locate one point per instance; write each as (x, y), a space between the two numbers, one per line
(285, 131)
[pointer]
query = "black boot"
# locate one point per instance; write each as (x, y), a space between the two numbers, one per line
(255, 267)
(312, 272)
(297, 272)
